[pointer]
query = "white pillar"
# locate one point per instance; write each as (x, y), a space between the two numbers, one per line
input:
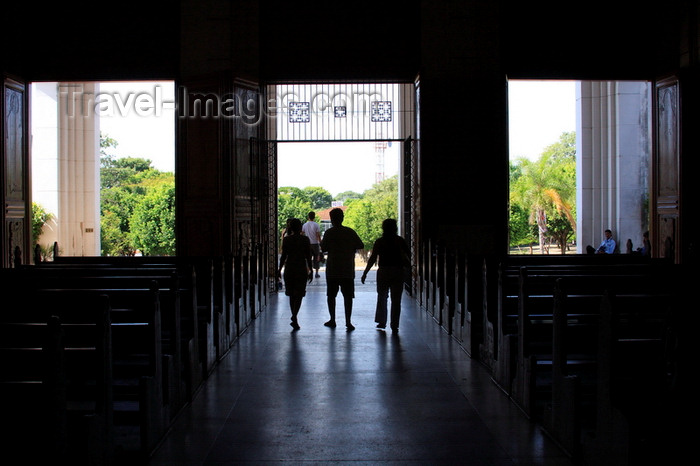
(78, 170)
(44, 140)
(613, 149)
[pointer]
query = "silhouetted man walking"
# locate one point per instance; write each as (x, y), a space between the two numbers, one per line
(341, 243)
(313, 232)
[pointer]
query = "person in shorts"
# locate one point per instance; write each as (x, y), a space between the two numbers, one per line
(340, 243)
(312, 231)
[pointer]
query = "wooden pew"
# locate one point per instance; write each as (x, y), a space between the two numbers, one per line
(431, 278)
(177, 369)
(141, 407)
(149, 394)
(199, 279)
(471, 305)
(532, 379)
(520, 287)
(631, 393)
(423, 260)
(575, 327)
(458, 304)
(501, 324)
(140, 412)
(56, 387)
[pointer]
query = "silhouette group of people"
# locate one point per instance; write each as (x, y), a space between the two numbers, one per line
(301, 250)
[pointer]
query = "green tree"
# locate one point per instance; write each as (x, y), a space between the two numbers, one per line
(362, 217)
(546, 187)
(347, 195)
(124, 171)
(319, 197)
(560, 230)
(519, 230)
(385, 196)
(152, 224)
(365, 212)
(378, 203)
(292, 202)
(40, 217)
(125, 184)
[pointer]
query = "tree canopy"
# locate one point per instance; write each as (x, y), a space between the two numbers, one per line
(544, 192)
(365, 211)
(137, 205)
(378, 203)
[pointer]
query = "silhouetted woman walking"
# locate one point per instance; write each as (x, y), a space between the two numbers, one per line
(296, 261)
(393, 254)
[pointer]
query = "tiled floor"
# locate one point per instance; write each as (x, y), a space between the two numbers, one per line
(321, 395)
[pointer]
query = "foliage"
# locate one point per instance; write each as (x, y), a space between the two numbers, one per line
(560, 231)
(292, 202)
(319, 197)
(152, 222)
(365, 212)
(519, 228)
(127, 170)
(39, 218)
(546, 189)
(347, 195)
(361, 217)
(378, 203)
(132, 194)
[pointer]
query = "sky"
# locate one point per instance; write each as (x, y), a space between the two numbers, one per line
(539, 111)
(141, 130)
(338, 167)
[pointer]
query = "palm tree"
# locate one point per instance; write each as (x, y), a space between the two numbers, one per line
(547, 185)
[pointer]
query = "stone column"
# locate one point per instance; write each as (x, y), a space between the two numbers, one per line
(613, 150)
(78, 170)
(44, 140)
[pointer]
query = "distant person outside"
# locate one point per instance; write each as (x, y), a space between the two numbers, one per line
(393, 254)
(296, 262)
(645, 250)
(606, 247)
(341, 243)
(313, 231)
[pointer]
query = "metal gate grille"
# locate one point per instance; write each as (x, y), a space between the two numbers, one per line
(410, 207)
(272, 215)
(340, 111)
(382, 112)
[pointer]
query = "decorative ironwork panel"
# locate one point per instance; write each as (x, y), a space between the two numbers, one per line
(299, 112)
(272, 216)
(340, 111)
(381, 112)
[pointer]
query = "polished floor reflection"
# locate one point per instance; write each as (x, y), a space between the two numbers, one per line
(321, 395)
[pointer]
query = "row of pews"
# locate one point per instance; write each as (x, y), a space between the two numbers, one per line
(99, 355)
(593, 349)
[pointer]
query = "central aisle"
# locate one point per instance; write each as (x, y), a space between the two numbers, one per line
(327, 395)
